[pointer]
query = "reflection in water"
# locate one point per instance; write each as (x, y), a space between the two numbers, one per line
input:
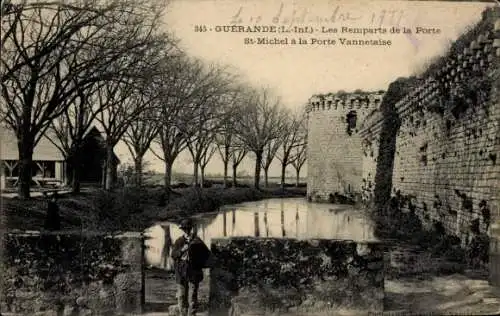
(291, 217)
(266, 224)
(297, 218)
(283, 233)
(234, 221)
(256, 224)
(224, 215)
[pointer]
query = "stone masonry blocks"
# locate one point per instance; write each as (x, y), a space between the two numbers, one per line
(335, 153)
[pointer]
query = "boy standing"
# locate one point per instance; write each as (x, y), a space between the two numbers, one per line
(190, 255)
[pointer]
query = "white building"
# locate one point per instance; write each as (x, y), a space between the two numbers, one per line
(48, 161)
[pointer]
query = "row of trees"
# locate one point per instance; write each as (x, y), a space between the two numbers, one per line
(206, 110)
(69, 66)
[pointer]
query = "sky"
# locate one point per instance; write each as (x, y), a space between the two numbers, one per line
(296, 72)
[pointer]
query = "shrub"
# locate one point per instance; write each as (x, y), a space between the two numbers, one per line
(196, 200)
(180, 185)
(118, 210)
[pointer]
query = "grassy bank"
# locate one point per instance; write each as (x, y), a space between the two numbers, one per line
(131, 208)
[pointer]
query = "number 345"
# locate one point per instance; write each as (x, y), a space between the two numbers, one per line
(200, 28)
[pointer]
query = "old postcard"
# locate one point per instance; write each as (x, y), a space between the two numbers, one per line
(248, 157)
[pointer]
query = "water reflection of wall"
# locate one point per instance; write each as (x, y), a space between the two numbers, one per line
(338, 224)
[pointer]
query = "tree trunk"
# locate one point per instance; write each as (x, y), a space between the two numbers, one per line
(226, 163)
(297, 179)
(75, 159)
(283, 231)
(104, 168)
(76, 173)
(258, 162)
(283, 170)
(68, 172)
(266, 224)
(109, 167)
(224, 221)
(202, 173)
(25, 147)
(76, 170)
(195, 174)
(26, 141)
(235, 179)
(138, 170)
(167, 179)
(266, 182)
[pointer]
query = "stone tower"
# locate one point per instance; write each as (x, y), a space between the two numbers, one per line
(334, 152)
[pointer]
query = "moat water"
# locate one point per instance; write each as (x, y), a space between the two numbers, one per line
(275, 218)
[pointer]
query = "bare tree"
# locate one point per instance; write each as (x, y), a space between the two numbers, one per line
(239, 152)
(269, 154)
(146, 128)
(172, 143)
(226, 140)
(139, 137)
(200, 135)
(223, 142)
(123, 103)
(293, 137)
(208, 115)
(120, 46)
(300, 152)
(46, 62)
(13, 13)
(183, 83)
(206, 156)
(261, 124)
(17, 16)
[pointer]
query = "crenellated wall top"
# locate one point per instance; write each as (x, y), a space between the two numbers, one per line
(479, 57)
(475, 54)
(342, 101)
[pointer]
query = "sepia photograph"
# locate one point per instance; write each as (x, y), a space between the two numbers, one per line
(249, 157)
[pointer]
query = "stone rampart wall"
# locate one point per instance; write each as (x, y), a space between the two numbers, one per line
(447, 147)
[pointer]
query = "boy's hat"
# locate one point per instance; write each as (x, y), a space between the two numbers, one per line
(186, 224)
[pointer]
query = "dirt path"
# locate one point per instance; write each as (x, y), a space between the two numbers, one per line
(413, 284)
(454, 294)
(419, 291)
(161, 292)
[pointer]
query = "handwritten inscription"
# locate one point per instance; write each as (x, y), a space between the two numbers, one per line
(290, 15)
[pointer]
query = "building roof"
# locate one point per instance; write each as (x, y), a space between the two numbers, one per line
(97, 135)
(44, 150)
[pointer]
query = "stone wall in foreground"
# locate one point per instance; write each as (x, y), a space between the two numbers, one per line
(262, 275)
(71, 274)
